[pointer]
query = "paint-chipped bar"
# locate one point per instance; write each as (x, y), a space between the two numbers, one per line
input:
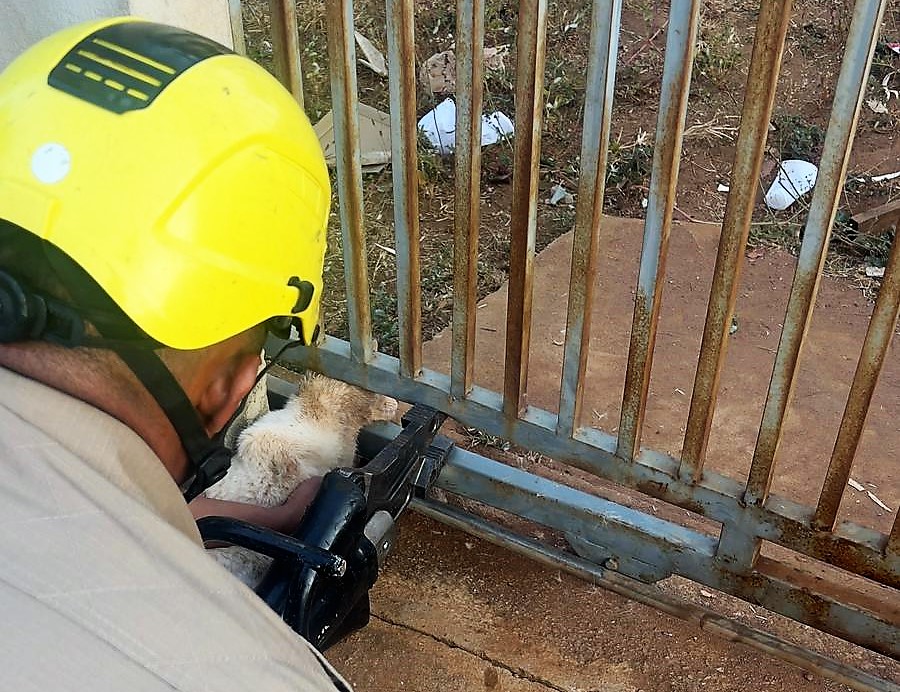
(404, 165)
(467, 211)
(286, 46)
(759, 97)
(849, 93)
(530, 57)
(345, 103)
(237, 27)
(871, 360)
(676, 82)
(604, 46)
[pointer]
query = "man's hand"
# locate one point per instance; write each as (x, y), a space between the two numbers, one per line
(283, 518)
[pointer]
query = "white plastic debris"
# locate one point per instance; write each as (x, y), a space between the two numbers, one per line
(877, 106)
(874, 498)
(856, 485)
(886, 176)
(874, 273)
(723, 188)
(559, 195)
(439, 126)
(374, 58)
(795, 178)
(894, 46)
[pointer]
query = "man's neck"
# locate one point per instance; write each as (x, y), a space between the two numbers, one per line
(106, 384)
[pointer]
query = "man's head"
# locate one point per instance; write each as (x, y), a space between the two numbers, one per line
(172, 194)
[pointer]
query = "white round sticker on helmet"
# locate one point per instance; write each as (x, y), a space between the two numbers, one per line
(51, 163)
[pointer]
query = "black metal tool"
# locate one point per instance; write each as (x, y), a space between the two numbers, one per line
(321, 576)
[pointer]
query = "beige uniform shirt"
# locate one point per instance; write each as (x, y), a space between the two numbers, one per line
(103, 582)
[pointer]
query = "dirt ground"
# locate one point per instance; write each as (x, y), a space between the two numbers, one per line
(455, 613)
(452, 613)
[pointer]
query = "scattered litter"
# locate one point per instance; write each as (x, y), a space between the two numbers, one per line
(559, 195)
(439, 126)
(795, 178)
(374, 58)
(723, 188)
(383, 248)
(374, 138)
(874, 498)
(877, 106)
(558, 343)
(734, 326)
(599, 416)
(439, 71)
(894, 46)
(706, 594)
(755, 254)
(680, 391)
(886, 176)
(875, 272)
(644, 203)
(856, 485)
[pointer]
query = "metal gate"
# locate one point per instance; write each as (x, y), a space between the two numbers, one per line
(614, 542)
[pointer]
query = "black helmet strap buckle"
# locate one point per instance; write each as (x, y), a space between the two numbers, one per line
(29, 316)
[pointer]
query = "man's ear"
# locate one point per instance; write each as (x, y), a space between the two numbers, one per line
(225, 391)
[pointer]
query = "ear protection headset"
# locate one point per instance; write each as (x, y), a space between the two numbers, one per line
(29, 316)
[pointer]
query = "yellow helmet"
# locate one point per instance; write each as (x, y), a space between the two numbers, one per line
(181, 177)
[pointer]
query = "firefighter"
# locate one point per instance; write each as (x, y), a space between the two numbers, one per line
(163, 205)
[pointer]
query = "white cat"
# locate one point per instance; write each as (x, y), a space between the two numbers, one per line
(314, 433)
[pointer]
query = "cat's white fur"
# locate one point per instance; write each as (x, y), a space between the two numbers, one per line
(314, 433)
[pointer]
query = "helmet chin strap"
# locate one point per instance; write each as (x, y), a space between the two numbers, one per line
(208, 458)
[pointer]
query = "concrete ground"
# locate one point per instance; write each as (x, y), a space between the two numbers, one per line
(451, 612)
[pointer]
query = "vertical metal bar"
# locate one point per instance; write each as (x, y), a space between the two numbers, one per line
(404, 165)
(871, 360)
(467, 216)
(601, 79)
(345, 103)
(530, 53)
(286, 46)
(676, 83)
(759, 97)
(237, 27)
(849, 94)
(893, 544)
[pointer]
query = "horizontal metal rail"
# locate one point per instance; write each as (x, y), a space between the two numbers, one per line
(782, 521)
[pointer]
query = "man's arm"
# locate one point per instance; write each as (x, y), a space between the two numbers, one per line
(283, 518)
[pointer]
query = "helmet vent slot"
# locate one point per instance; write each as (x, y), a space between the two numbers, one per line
(125, 66)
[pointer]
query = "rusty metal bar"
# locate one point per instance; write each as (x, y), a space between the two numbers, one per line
(759, 97)
(893, 543)
(684, 18)
(237, 27)
(467, 216)
(286, 46)
(601, 78)
(871, 360)
(530, 57)
(849, 94)
(654, 597)
(345, 103)
(404, 165)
